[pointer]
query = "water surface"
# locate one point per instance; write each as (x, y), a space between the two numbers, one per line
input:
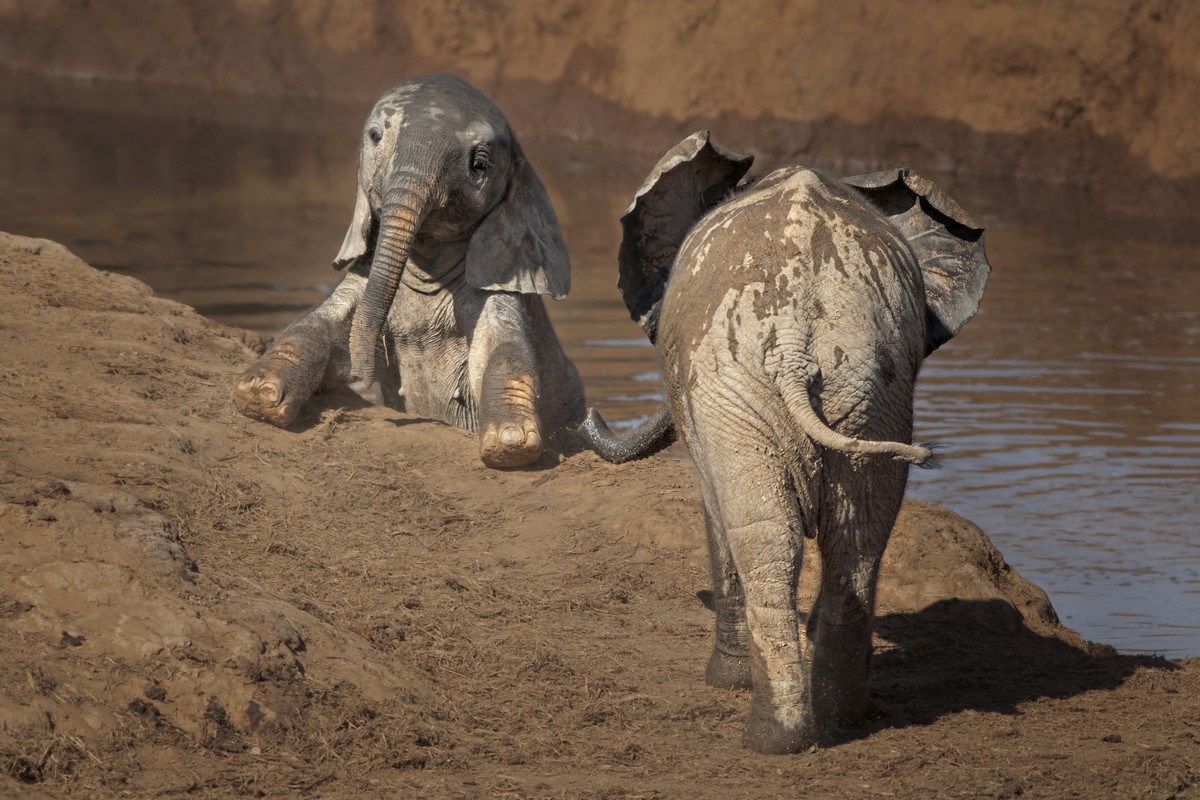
(1069, 404)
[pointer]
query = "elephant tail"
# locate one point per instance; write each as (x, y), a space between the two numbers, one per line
(815, 428)
(656, 433)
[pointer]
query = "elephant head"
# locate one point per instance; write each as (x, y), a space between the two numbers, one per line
(441, 177)
(696, 175)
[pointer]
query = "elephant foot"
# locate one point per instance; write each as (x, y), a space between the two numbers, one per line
(840, 708)
(727, 671)
(729, 664)
(767, 733)
(841, 661)
(504, 445)
(274, 389)
(510, 436)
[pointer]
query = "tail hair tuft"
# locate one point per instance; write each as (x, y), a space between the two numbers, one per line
(935, 460)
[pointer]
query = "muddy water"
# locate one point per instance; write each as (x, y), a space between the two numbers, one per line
(1069, 405)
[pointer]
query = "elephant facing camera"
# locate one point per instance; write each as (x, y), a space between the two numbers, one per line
(450, 247)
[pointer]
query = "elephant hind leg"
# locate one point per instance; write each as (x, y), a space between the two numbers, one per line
(765, 538)
(856, 525)
(781, 715)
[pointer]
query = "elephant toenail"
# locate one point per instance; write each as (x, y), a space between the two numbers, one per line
(511, 436)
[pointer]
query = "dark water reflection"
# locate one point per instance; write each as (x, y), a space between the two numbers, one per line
(1069, 404)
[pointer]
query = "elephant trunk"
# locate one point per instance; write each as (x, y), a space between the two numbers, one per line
(399, 219)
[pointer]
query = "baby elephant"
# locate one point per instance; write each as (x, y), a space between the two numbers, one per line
(792, 318)
(453, 240)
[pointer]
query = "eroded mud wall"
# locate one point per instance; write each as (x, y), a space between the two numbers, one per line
(1079, 91)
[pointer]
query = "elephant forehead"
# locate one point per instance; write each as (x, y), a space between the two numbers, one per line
(419, 111)
(478, 131)
(392, 106)
(440, 100)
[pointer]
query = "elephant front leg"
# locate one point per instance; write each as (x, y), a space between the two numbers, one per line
(277, 386)
(729, 664)
(504, 367)
(309, 354)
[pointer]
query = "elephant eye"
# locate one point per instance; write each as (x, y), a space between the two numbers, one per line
(375, 135)
(480, 162)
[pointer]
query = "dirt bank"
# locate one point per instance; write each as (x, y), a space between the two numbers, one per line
(1094, 94)
(193, 603)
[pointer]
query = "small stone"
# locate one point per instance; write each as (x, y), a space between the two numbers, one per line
(68, 640)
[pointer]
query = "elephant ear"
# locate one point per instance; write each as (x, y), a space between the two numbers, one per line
(519, 247)
(356, 243)
(691, 178)
(947, 242)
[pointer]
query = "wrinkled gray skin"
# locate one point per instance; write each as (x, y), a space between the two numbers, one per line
(453, 239)
(791, 328)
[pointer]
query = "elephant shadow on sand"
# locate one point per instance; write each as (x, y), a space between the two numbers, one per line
(979, 655)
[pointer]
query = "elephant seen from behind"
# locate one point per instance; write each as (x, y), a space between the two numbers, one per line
(792, 315)
(452, 242)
